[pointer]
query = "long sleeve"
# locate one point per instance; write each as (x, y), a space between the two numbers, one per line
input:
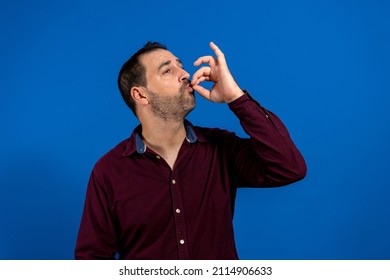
(140, 208)
(269, 158)
(96, 238)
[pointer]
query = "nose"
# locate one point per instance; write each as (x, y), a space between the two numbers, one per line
(184, 75)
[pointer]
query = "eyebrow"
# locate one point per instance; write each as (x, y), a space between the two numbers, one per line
(165, 63)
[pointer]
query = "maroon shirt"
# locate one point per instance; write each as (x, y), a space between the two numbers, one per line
(138, 208)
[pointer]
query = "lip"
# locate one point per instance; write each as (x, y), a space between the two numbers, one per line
(188, 87)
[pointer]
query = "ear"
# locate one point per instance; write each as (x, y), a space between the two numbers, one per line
(139, 94)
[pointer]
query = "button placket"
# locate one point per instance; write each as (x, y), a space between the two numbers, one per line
(181, 235)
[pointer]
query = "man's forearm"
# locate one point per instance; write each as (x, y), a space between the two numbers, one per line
(271, 141)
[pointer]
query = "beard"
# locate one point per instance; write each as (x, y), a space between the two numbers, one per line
(172, 108)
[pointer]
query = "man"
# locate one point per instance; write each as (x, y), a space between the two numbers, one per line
(168, 191)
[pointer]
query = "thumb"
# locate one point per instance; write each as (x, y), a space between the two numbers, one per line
(202, 91)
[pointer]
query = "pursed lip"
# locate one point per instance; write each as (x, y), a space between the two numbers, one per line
(187, 86)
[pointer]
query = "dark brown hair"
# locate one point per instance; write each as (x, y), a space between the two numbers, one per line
(132, 73)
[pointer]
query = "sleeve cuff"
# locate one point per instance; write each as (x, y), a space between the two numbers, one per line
(237, 102)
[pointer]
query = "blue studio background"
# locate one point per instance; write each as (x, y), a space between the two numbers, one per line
(321, 66)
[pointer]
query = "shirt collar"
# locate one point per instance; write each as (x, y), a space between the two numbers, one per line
(135, 143)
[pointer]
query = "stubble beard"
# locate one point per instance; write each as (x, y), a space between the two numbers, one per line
(172, 108)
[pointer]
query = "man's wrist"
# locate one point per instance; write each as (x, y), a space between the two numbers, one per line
(236, 96)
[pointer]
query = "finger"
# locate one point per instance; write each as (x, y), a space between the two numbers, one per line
(202, 91)
(203, 71)
(220, 55)
(208, 59)
(201, 79)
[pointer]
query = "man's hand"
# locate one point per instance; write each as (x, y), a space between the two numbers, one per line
(225, 89)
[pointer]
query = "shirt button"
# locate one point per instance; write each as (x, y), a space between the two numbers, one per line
(158, 157)
(177, 211)
(181, 241)
(173, 181)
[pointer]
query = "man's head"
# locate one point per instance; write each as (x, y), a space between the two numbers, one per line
(133, 73)
(153, 77)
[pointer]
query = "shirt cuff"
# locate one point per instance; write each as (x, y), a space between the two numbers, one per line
(237, 102)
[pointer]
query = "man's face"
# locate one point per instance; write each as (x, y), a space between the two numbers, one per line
(169, 91)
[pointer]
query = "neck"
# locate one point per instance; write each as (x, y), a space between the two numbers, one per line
(164, 135)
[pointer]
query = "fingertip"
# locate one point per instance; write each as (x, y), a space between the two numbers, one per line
(195, 79)
(197, 88)
(197, 62)
(193, 83)
(215, 48)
